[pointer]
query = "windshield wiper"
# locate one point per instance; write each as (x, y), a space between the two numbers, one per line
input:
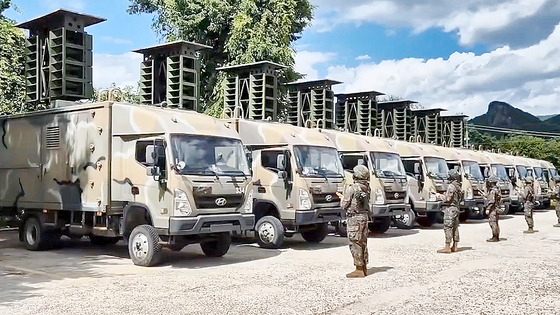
(236, 173)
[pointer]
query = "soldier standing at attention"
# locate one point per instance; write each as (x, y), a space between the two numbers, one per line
(528, 195)
(494, 197)
(556, 194)
(355, 201)
(452, 199)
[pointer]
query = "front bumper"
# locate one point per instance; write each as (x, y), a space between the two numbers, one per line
(389, 210)
(319, 215)
(428, 206)
(212, 223)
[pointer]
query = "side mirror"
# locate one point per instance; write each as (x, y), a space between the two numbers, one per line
(282, 174)
(281, 162)
(417, 168)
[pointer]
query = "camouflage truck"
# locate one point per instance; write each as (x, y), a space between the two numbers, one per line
(541, 175)
(296, 175)
(427, 174)
(157, 177)
(472, 181)
(389, 195)
(492, 164)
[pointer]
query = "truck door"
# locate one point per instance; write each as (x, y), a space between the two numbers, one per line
(275, 178)
(414, 173)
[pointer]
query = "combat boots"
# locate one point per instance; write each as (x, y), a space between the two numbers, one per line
(495, 235)
(358, 273)
(446, 250)
(454, 247)
(529, 231)
(557, 225)
(364, 270)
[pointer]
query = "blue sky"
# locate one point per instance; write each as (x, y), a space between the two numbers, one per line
(458, 55)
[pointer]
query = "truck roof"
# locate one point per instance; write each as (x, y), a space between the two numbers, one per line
(264, 133)
(412, 149)
(349, 142)
(145, 119)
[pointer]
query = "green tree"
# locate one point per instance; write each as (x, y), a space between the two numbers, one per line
(240, 31)
(12, 50)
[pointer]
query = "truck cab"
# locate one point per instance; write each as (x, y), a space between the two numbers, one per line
(388, 184)
(465, 163)
(297, 174)
(492, 164)
(427, 174)
(541, 184)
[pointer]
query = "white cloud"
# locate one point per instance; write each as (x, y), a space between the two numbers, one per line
(363, 57)
(115, 40)
(528, 78)
(307, 60)
(122, 69)
(517, 23)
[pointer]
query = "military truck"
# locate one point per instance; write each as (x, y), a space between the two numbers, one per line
(491, 164)
(472, 181)
(296, 175)
(542, 180)
(389, 196)
(156, 177)
(427, 174)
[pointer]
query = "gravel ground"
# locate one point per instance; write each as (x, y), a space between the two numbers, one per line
(517, 276)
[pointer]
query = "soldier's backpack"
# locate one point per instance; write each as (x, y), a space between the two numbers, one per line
(362, 197)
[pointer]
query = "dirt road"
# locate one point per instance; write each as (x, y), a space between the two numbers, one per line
(517, 276)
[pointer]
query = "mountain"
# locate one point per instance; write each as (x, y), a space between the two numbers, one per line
(503, 115)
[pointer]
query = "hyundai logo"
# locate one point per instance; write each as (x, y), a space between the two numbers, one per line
(220, 202)
(328, 198)
(397, 195)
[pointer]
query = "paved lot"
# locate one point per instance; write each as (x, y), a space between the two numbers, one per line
(517, 276)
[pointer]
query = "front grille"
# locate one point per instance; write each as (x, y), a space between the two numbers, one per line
(544, 190)
(209, 201)
(505, 192)
(391, 197)
(322, 198)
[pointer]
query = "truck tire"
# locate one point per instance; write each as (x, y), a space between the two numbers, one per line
(341, 228)
(216, 247)
(405, 221)
(428, 220)
(269, 232)
(103, 240)
(380, 225)
(34, 235)
(316, 235)
(144, 247)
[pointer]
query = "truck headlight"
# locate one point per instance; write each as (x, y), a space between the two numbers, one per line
(432, 196)
(539, 190)
(248, 206)
(469, 195)
(379, 196)
(182, 204)
(304, 200)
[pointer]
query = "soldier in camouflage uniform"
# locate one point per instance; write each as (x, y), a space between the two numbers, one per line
(494, 196)
(452, 199)
(528, 195)
(355, 202)
(556, 194)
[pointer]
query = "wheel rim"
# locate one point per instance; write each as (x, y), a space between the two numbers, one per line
(405, 219)
(266, 232)
(31, 235)
(140, 246)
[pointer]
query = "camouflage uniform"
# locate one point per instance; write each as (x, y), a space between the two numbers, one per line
(452, 199)
(494, 197)
(556, 194)
(355, 202)
(529, 196)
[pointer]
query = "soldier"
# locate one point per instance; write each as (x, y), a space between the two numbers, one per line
(452, 198)
(355, 201)
(494, 196)
(528, 195)
(556, 194)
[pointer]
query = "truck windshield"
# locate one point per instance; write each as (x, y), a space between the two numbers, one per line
(437, 167)
(538, 172)
(472, 170)
(388, 165)
(318, 161)
(500, 171)
(204, 155)
(522, 170)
